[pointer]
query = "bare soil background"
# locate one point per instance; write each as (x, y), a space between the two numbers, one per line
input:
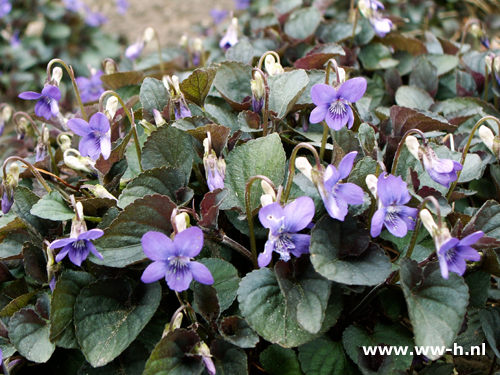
(170, 18)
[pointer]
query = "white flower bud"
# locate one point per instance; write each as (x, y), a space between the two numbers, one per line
(78, 163)
(272, 67)
(496, 64)
(182, 222)
(100, 191)
(486, 136)
(364, 8)
(109, 67)
(159, 120)
(268, 189)
(149, 34)
(304, 166)
(175, 83)
(35, 29)
(57, 74)
(14, 172)
(341, 72)
(165, 82)
(371, 182)
(266, 199)
(489, 62)
(428, 221)
(6, 113)
(111, 107)
(183, 42)
(197, 45)
(257, 86)
(64, 142)
(413, 146)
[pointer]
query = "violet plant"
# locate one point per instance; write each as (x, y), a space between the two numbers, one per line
(177, 261)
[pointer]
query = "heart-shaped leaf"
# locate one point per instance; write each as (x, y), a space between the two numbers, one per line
(153, 95)
(52, 207)
(197, 85)
(285, 89)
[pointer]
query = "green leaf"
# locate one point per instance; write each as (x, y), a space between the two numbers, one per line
(271, 304)
(376, 56)
(35, 263)
(369, 268)
(490, 322)
(277, 360)
(121, 243)
(263, 156)
(153, 95)
(413, 97)
(479, 284)
(367, 140)
(11, 244)
(302, 23)
(404, 119)
(24, 200)
(436, 306)
(198, 84)
(394, 335)
(236, 330)
(52, 207)
(120, 79)
(424, 75)
(324, 357)
(233, 82)
(68, 286)
(169, 147)
(228, 359)
(17, 304)
(240, 52)
(285, 89)
(487, 219)
(362, 168)
(109, 315)
(164, 181)
(318, 56)
(172, 355)
(226, 280)
(30, 335)
(336, 32)
(443, 63)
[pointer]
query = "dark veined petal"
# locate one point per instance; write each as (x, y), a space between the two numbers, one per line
(395, 224)
(30, 95)
(99, 122)
(157, 246)
(353, 89)
(335, 205)
(90, 145)
(42, 109)
(179, 279)
(302, 243)
(330, 177)
(346, 164)
(337, 121)
(271, 217)
(189, 242)
(154, 272)
(201, 273)
(298, 214)
(450, 244)
(78, 255)
(79, 126)
(66, 249)
(322, 93)
(457, 264)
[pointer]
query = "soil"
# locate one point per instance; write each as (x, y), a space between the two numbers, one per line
(170, 18)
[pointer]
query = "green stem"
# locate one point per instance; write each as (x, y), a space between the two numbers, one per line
(93, 219)
(421, 206)
(486, 79)
(464, 33)
(130, 116)
(27, 117)
(351, 41)
(69, 69)
(400, 147)
(328, 67)
(222, 238)
(466, 150)
(261, 60)
(324, 139)
(31, 168)
(265, 112)
(292, 166)
(248, 207)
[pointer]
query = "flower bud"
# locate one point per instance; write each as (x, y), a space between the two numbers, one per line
(215, 169)
(475, 30)
(183, 41)
(181, 222)
(57, 74)
(304, 166)
(272, 67)
(413, 146)
(148, 35)
(100, 191)
(169, 327)
(22, 128)
(35, 29)
(109, 67)
(488, 60)
(197, 45)
(203, 350)
(371, 182)
(257, 86)
(6, 113)
(111, 107)
(7, 188)
(496, 64)
(14, 172)
(64, 142)
(42, 145)
(341, 73)
(78, 225)
(489, 139)
(78, 163)
(428, 221)
(159, 120)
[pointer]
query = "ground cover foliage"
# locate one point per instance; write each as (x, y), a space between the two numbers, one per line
(304, 180)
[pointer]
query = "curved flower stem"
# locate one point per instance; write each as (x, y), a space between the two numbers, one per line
(466, 150)
(58, 178)
(27, 117)
(464, 33)
(222, 238)
(400, 145)
(421, 206)
(130, 116)
(174, 316)
(248, 207)
(292, 166)
(265, 112)
(261, 60)
(69, 69)
(324, 139)
(355, 24)
(31, 168)
(335, 67)
(162, 69)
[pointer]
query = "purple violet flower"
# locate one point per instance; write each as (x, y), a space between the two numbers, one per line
(122, 6)
(241, 4)
(78, 248)
(7, 200)
(172, 259)
(181, 110)
(90, 89)
(231, 36)
(371, 10)
(47, 105)
(392, 195)
(283, 225)
(5, 8)
(95, 19)
(72, 5)
(218, 15)
(96, 138)
(336, 195)
(134, 51)
(453, 253)
(333, 105)
(14, 41)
